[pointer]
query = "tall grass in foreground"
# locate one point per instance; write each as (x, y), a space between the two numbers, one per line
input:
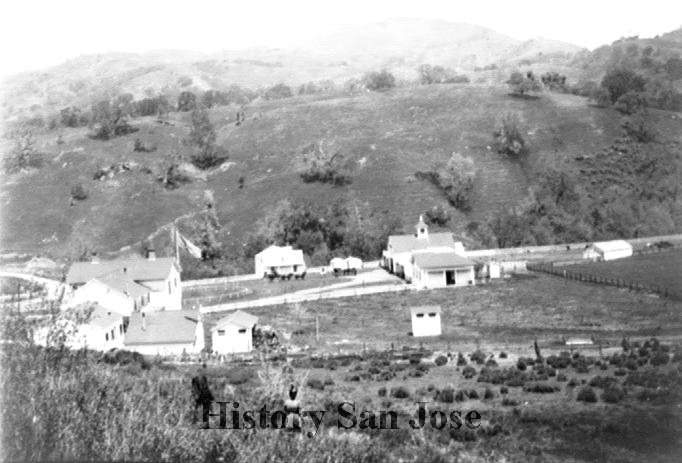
(61, 405)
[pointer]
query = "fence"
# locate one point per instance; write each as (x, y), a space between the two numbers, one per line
(548, 267)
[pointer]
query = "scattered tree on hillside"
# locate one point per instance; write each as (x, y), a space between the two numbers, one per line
(455, 179)
(378, 81)
(554, 81)
(439, 75)
(637, 126)
(508, 138)
(437, 215)
(620, 81)
(109, 121)
(521, 84)
(23, 154)
(72, 117)
(325, 165)
(143, 147)
(278, 91)
(187, 101)
(211, 248)
(202, 138)
(631, 102)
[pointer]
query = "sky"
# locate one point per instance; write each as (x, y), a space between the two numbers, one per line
(35, 34)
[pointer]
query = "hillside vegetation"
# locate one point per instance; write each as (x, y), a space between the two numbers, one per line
(388, 137)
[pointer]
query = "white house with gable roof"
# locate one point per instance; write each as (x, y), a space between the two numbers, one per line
(233, 333)
(397, 258)
(127, 285)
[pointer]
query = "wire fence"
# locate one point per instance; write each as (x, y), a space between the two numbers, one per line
(550, 268)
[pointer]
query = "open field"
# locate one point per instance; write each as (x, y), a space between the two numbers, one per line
(390, 135)
(658, 269)
(503, 315)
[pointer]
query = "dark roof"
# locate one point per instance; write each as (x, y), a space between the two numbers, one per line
(444, 260)
(137, 269)
(406, 243)
(122, 283)
(163, 327)
(238, 318)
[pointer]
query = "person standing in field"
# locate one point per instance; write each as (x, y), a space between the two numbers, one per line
(292, 408)
(202, 395)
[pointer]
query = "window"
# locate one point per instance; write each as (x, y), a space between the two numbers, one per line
(420, 315)
(106, 336)
(221, 332)
(120, 329)
(432, 314)
(112, 334)
(243, 330)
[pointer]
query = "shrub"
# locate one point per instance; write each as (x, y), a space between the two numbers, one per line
(441, 360)
(461, 360)
(491, 362)
(143, 147)
(586, 394)
(314, 383)
(400, 392)
(508, 139)
(473, 394)
(540, 388)
(446, 395)
(602, 382)
(659, 358)
(612, 394)
(488, 394)
(521, 84)
(461, 396)
(328, 381)
(379, 81)
(507, 402)
(437, 215)
(381, 391)
(620, 372)
(504, 390)
(638, 127)
(561, 378)
(558, 362)
(521, 364)
(78, 193)
(469, 372)
(503, 355)
(573, 382)
(478, 356)
(630, 103)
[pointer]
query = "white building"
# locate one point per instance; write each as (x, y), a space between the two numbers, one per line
(102, 330)
(426, 321)
(397, 257)
(441, 269)
(165, 333)
(234, 333)
(155, 279)
(115, 292)
(279, 261)
(608, 250)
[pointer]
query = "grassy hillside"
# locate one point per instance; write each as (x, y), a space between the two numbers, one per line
(389, 135)
(400, 45)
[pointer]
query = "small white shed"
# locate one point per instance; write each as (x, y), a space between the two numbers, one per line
(608, 250)
(279, 261)
(234, 333)
(426, 321)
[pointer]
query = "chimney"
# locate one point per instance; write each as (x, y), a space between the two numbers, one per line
(151, 254)
(144, 322)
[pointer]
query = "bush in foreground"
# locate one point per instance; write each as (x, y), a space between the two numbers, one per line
(586, 394)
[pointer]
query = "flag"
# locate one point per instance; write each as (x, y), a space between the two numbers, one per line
(187, 245)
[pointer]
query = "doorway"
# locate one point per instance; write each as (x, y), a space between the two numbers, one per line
(449, 277)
